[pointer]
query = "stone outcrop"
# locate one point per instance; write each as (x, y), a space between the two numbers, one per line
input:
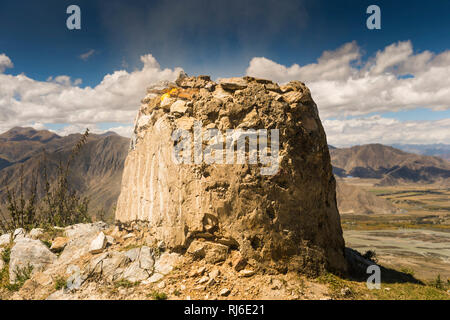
(286, 220)
(29, 253)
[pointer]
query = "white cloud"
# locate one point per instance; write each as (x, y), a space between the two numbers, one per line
(116, 98)
(376, 129)
(342, 85)
(85, 56)
(5, 62)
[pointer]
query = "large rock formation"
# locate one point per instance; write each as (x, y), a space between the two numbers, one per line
(280, 214)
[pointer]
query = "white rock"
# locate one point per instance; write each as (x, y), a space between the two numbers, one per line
(110, 240)
(178, 106)
(167, 102)
(203, 280)
(233, 83)
(80, 235)
(154, 278)
(146, 260)
(132, 254)
(224, 292)
(5, 239)
(98, 244)
(83, 230)
(134, 273)
(166, 262)
(19, 234)
(28, 252)
(246, 273)
(36, 233)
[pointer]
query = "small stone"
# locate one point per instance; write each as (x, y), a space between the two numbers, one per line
(129, 235)
(214, 274)
(36, 233)
(276, 284)
(179, 107)
(182, 287)
(154, 278)
(5, 239)
(293, 97)
(167, 102)
(233, 83)
(146, 260)
(166, 262)
(98, 244)
(224, 292)
(58, 244)
(210, 251)
(19, 234)
(200, 271)
(132, 254)
(246, 273)
(203, 280)
(238, 262)
(110, 240)
(346, 291)
(161, 285)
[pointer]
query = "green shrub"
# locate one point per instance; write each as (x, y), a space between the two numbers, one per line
(155, 295)
(60, 283)
(22, 275)
(60, 205)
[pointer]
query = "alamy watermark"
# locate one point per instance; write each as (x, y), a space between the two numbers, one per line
(374, 280)
(230, 148)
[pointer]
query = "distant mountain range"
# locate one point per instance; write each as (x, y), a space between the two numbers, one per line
(390, 165)
(438, 150)
(97, 171)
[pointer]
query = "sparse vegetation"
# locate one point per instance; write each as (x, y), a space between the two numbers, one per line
(22, 275)
(60, 205)
(438, 283)
(389, 290)
(370, 255)
(6, 253)
(156, 295)
(123, 283)
(60, 283)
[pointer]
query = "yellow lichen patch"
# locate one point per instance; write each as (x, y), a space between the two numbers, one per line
(172, 93)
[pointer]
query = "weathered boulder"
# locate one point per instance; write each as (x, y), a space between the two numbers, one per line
(58, 244)
(98, 244)
(5, 239)
(28, 252)
(36, 233)
(279, 211)
(80, 238)
(210, 251)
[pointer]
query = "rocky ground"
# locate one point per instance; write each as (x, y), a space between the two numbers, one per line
(108, 262)
(97, 261)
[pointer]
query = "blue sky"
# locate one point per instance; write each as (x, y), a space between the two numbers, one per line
(219, 38)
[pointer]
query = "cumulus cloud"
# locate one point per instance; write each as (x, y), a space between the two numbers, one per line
(5, 62)
(116, 98)
(344, 85)
(376, 129)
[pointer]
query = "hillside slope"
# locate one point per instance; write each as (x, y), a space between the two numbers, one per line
(96, 172)
(391, 165)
